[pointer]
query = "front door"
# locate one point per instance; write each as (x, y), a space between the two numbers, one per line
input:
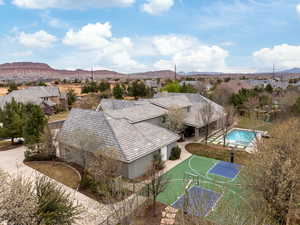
(164, 153)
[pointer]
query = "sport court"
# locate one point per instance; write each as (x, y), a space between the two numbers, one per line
(202, 186)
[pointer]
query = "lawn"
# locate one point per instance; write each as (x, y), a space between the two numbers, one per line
(231, 195)
(57, 171)
(218, 152)
(7, 145)
(253, 124)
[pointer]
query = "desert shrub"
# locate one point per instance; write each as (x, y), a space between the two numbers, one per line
(175, 153)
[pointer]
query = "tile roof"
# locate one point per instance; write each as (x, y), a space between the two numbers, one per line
(138, 113)
(180, 101)
(114, 104)
(132, 141)
(197, 101)
(32, 95)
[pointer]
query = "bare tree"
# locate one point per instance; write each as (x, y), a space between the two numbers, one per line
(226, 121)
(158, 184)
(175, 119)
(273, 174)
(205, 114)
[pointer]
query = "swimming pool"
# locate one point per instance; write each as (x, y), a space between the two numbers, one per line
(241, 137)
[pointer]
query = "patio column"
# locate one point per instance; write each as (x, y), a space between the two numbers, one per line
(197, 132)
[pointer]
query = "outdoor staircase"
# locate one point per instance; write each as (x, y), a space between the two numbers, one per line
(168, 216)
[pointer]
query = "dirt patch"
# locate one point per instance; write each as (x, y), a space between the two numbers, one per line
(144, 214)
(57, 171)
(218, 152)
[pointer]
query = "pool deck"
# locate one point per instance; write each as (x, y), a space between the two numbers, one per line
(217, 139)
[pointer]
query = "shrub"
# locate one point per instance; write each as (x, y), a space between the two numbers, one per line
(175, 153)
(158, 162)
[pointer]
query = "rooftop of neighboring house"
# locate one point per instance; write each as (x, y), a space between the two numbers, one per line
(137, 111)
(130, 141)
(197, 102)
(34, 95)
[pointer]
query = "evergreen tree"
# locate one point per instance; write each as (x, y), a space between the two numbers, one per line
(269, 88)
(12, 87)
(118, 92)
(296, 107)
(103, 86)
(12, 120)
(34, 124)
(71, 97)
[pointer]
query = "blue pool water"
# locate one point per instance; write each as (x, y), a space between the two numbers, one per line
(241, 137)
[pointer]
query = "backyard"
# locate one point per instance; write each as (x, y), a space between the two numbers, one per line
(215, 192)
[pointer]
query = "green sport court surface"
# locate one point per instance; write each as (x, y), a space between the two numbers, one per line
(232, 196)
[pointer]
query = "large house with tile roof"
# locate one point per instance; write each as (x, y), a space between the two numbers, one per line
(134, 142)
(133, 129)
(48, 97)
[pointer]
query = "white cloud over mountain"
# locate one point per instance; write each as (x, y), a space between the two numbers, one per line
(156, 7)
(71, 4)
(283, 56)
(39, 39)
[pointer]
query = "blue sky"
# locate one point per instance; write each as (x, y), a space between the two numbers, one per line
(142, 35)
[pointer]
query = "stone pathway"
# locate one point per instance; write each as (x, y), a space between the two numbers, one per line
(168, 216)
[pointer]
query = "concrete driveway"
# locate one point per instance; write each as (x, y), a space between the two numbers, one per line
(11, 161)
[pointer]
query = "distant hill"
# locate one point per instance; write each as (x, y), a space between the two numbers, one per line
(28, 71)
(295, 70)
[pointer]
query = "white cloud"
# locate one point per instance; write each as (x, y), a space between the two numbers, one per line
(298, 8)
(96, 41)
(189, 54)
(156, 7)
(53, 21)
(1, 2)
(71, 4)
(90, 36)
(283, 56)
(39, 39)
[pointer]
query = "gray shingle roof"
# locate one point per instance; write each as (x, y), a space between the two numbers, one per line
(138, 113)
(180, 101)
(32, 95)
(193, 118)
(114, 104)
(132, 141)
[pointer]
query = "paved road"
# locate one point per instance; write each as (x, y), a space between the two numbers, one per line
(12, 162)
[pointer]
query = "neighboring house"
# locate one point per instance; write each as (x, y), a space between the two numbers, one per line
(193, 103)
(274, 83)
(152, 84)
(49, 98)
(133, 143)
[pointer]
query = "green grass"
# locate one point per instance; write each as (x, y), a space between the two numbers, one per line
(218, 152)
(253, 124)
(229, 189)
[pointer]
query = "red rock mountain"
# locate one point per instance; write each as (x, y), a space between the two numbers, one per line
(28, 71)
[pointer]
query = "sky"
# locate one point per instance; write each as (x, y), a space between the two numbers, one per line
(146, 35)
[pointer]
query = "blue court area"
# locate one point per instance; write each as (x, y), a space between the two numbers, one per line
(197, 201)
(225, 169)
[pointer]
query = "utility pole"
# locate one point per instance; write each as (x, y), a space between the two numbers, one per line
(92, 72)
(273, 71)
(175, 73)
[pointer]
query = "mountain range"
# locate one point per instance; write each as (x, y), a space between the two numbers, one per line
(30, 71)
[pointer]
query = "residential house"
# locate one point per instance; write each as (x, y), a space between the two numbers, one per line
(134, 143)
(135, 130)
(49, 97)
